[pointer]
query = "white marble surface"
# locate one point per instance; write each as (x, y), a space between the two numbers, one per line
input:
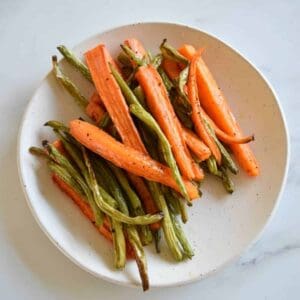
(267, 33)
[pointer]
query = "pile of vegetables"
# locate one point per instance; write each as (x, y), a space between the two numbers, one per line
(156, 125)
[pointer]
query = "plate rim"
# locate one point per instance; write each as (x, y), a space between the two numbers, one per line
(228, 262)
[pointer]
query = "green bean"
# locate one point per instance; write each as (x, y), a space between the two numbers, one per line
(212, 166)
(227, 160)
(156, 61)
(150, 56)
(177, 200)
(131, 195)
(188, 251)
(57, 125)
(139, 93)
(68, 84)
(104, 174)
(167, 225)
(220, 173)
(139, 253)
(124, 59)
(38, 151)
(157, 239)
(64, 175)
(172, 202)
(119, 244)
(170, 52)
(75, 62)
(132, 55)
(134, 200)
(64, 162)
(166, 80)
(182, 79)
(227, 182)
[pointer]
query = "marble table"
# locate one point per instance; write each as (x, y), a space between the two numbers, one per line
(267, 32)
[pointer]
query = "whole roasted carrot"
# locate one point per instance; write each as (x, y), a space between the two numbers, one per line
(215, 104)
(111, 95)
(163, 112)
(124, 156)
(196, 111)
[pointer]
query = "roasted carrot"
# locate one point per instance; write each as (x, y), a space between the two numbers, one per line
(136, 46)
(124, 156)
(111, 95)
(196, 145)
(215, 104)
(198, 172)
(98, 60)
(171, 68)
(95, 111)
(196, 111)
(163, 112)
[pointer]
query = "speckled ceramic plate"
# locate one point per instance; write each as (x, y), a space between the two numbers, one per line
(221, 226)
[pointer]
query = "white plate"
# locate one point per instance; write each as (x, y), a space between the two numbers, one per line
(221, 226)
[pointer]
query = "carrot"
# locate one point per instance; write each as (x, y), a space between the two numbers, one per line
(124, 156)
(196, 145)
(136, 46)
(215, 104)
(84, 207)
(171, 68)
(199, 174)
(111, 95)
(196, 111)
(162, 110)
(95, 111)
(98, 60)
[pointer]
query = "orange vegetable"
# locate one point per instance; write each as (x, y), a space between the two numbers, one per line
(124, 156)
(162, 110)
(215, 104)
(196, 109)
(199, 174)
(98, 60)
(95, 110)
(196, 145)
(171, 67)
(136, 46)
